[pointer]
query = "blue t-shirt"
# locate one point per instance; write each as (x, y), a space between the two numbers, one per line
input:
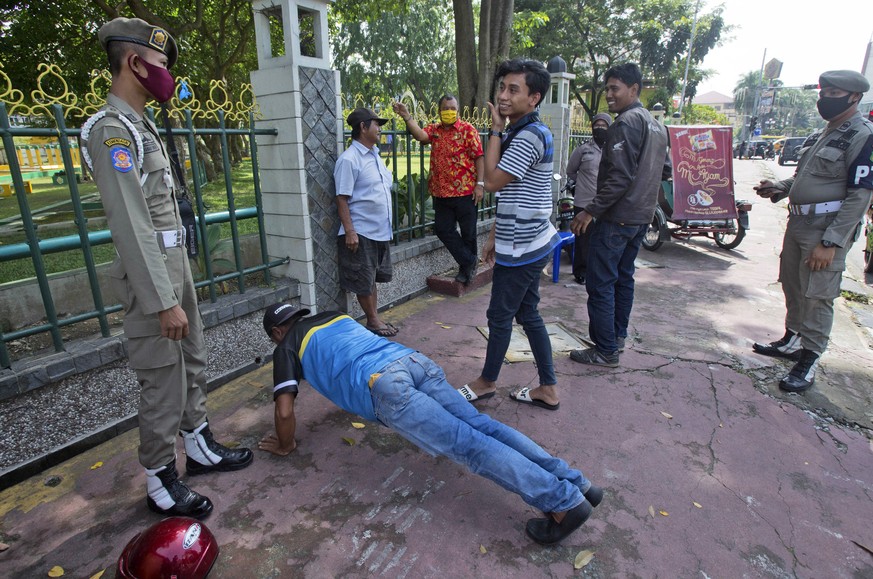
(337, 356)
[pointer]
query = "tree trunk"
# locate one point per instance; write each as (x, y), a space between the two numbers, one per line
(465, 53)
(495, 36)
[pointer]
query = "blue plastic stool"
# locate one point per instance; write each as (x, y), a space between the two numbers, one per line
(567, 238)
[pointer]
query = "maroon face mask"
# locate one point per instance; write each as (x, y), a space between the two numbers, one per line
(159, 83)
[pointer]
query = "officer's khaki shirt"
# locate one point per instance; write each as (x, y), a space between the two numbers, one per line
(822, 175)
(135, 212)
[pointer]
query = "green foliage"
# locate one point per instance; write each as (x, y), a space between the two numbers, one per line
(414, 203)
(219, 249)
(391, 51)
(524, 26)
(593, 36)
(702, 115)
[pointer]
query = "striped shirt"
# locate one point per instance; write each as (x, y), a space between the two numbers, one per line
(524, 232)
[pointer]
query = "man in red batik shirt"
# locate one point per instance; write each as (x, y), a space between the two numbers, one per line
(457, 180)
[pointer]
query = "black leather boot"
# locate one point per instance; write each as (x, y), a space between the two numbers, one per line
(167, 495)
(206, 455)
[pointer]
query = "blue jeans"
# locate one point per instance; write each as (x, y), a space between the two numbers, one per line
(515, 293)
(612, 250)
(413, 397)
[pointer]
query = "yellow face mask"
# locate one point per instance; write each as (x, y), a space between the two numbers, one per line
(448, 117)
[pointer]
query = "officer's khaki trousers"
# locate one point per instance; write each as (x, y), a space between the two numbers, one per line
(809, 295)
(172, 373)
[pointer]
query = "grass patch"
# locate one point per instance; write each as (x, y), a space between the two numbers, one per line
(855, 297)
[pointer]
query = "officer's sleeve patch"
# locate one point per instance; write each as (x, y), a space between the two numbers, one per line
(116, 141)
(122, 160)
(860, 172)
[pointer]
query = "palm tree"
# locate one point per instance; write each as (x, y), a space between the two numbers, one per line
(745, 97)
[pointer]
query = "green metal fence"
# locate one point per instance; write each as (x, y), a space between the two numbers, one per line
(34, 248)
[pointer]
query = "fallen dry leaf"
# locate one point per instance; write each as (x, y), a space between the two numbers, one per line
(652, 511)
(583, 558)
(446, 327)
(720, 425)
(667, 416)
(231, 444)
(359, 425)
(56, 571)
(664, 513)
(97, 575)
(438, 323)
(97, 465)
(482, 549)
(696, 504)
(3, 547)
(349, 441)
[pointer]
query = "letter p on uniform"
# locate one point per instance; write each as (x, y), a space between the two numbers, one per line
(861, 171)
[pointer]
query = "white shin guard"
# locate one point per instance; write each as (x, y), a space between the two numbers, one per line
(196, 447)
(156, 489)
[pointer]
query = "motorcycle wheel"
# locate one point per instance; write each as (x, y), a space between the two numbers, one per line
(652, 239)
(729, 240)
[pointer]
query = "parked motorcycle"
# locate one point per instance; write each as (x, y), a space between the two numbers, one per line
(727, 233)
(565, 205)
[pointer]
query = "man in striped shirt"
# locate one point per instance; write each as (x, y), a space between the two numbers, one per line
(518, 166)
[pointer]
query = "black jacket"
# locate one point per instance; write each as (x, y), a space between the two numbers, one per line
(633, 164)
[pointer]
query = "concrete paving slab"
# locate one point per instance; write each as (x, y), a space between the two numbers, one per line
(709, 470)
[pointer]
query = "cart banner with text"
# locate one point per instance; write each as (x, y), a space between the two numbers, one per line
(703, 176)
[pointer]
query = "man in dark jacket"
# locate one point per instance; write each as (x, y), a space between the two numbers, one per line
(630, 174)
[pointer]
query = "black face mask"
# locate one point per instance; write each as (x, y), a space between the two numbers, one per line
(832, 107)
(599, 136)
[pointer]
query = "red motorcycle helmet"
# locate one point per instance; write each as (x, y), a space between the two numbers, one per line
(175, 548)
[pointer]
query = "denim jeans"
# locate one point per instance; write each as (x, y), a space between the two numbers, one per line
(515, 293)
(460, 211)
(612, 250)
(413, 397)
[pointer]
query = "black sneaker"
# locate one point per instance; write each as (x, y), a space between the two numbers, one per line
(594, 495)
(788, 346)
(595, 357)
(802, 375)
(548, 532)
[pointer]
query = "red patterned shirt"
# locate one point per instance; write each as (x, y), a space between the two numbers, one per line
(454, 151)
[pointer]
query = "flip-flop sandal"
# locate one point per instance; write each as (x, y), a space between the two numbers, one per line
(471, 396)
(523, 397)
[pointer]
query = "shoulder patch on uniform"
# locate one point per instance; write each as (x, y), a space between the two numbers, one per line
(117, 141)
(122, 161)
(860, 173)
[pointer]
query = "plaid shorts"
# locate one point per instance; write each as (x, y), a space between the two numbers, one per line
(360, 271)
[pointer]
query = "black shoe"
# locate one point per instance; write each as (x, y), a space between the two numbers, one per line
(802, 375)
(548, 532)
(594, 495)
(462, 276)
(471, 272)
(788, 346)
(205, 455)
(580, 279)
(187, 502)
(595, 357)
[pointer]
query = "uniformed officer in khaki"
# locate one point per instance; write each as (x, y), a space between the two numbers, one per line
(151, 275)
(827, 198)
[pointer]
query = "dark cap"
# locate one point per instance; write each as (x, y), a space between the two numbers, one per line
(279, 313)
(358, 116)
(845, 79)
(602, 117)
(139, 32)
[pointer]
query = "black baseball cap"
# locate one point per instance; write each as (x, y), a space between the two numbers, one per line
(280, 313)
(358, 116)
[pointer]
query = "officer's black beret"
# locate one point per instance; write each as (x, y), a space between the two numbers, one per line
(845, 79)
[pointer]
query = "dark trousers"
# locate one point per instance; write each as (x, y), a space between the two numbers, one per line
(580, 251)
(610, 281)
(451, 213)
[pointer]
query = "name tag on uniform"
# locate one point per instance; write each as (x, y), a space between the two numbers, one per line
(148, 145)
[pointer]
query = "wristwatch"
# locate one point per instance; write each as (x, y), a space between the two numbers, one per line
(493, 133)
(480, 183)
(828, 244)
